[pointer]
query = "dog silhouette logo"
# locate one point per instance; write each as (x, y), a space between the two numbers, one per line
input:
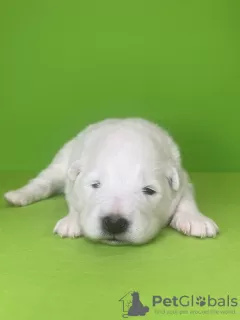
(132, 305)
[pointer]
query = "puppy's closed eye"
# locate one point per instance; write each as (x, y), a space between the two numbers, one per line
(96, 184)
(149, 191)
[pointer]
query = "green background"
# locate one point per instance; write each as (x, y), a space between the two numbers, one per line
(66, 64)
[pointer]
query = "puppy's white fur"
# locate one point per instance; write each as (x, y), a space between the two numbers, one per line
(124, 156)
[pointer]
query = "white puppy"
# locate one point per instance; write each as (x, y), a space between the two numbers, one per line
(123, 182)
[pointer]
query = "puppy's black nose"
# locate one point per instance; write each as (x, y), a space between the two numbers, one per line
(114, 224)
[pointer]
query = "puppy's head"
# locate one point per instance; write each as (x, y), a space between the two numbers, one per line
(123, 197)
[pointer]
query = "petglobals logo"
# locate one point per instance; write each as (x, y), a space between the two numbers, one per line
(195, 301)
(136, 303)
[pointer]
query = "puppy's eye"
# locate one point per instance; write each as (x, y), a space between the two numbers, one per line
(96, 185)
(149, 191)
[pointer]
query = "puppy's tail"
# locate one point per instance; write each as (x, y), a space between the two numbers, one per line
(48, 182)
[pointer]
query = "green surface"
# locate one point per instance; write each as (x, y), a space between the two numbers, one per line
(45, 277)
(66, 64)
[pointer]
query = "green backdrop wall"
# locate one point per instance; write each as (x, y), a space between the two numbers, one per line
(65, 64)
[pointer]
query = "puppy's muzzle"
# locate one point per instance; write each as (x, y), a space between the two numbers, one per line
(114, 224)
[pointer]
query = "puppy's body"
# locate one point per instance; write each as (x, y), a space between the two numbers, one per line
(123, 181)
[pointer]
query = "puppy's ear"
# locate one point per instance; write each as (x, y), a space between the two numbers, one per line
(74, 170)
(173, 178)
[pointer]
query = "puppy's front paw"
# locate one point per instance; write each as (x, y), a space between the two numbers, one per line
(196, 225)
(68, 227)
